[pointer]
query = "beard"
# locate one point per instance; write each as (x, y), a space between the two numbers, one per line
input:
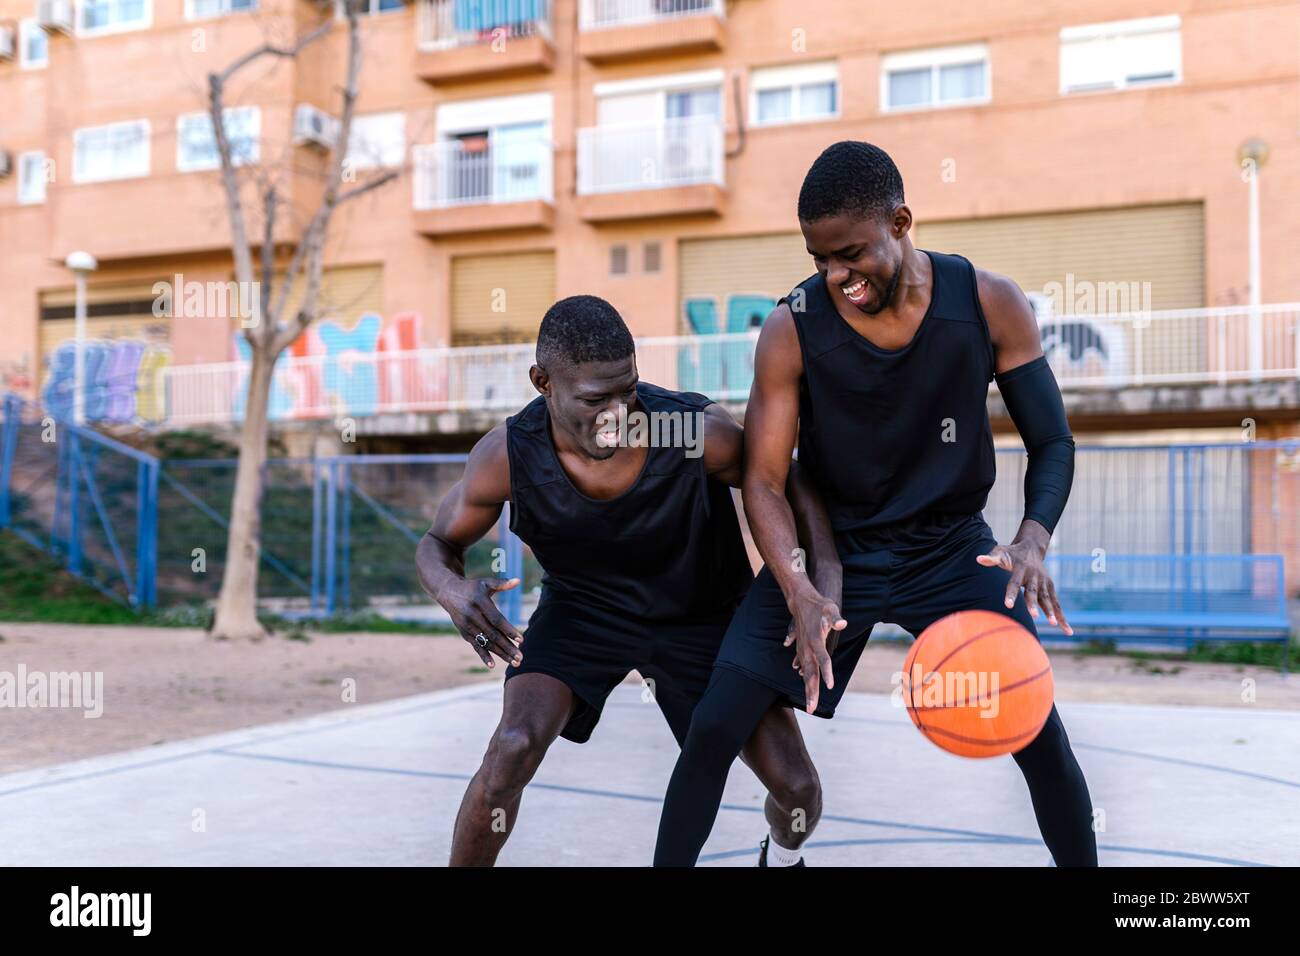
(890, 289)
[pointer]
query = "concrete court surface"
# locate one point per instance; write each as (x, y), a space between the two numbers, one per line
(380, 784)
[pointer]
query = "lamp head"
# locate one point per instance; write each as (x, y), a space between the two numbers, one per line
(81, 262)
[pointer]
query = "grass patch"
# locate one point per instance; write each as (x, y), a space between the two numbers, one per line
(1241, 653)
(36, 588)
(353, 621)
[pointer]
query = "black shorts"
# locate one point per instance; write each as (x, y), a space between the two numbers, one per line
(911, 577)
(592, 650)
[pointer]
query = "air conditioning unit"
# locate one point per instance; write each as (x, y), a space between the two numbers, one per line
(8, 41)
(314, 127)
(55, 16)
(6, 163)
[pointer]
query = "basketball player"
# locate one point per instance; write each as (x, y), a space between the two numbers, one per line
(644, 566)
(880, 363)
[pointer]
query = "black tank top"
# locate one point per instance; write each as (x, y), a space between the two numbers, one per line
(894, 436)
(667, 548)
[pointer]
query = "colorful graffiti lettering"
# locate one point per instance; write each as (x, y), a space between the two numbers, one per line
(15, 376)
(123, 381)
(723, 369)
(348, 380)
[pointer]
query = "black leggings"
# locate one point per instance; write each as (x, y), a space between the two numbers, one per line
(733, 705)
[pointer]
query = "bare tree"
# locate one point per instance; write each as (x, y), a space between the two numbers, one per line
(272, 331)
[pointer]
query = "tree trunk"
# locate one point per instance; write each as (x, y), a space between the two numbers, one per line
(236, 617)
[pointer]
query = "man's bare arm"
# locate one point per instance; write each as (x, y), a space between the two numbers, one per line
(771, 423)
(470, 511)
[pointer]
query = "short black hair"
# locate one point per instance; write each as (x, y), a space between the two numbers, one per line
(850, 177)
(582, 328)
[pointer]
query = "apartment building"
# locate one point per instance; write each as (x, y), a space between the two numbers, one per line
(1099, 152)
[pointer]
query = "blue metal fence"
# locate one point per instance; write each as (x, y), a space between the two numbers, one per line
(83, 497)
(338, 533)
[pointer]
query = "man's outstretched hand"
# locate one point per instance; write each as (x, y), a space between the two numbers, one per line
(1024, 559)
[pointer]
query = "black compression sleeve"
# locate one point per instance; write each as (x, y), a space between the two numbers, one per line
(1034, 403)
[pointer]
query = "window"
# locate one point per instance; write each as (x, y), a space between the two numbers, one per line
(377, 140)
(945, 76)
(793, 94)
(206, 9)
(32, 177)
(111, 16)
(196, 147)
(34, 46)
(650, 257)
(618, 260)
(492, 150)
(372, 7)
(116, 151)
(1121, 54)
(652, 100)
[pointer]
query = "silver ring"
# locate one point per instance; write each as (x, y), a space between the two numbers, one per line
(481, 639)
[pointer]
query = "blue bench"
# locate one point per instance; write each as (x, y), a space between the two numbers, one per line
(1176, 599)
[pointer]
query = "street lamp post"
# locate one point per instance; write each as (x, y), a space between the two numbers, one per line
(81, 265)
(1251, 156)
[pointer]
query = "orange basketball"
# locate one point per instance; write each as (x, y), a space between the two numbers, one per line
(978, 684)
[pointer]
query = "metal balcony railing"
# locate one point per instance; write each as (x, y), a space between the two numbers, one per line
(599, 14)
(446, 24)
(453, 174)
(684, 151)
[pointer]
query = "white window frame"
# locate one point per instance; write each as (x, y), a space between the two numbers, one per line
(370, 11)
(134, 174)
(24, 200)
(665, 82)
(793, 77)
(144, 23)
(934, 58)
(467, 116)
(356, 161)
(662, 86)
(225, 11)
(1113, 31)
(26, 28)
(185, 166)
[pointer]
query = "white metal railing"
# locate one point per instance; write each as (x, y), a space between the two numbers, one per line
(599, 14)
(618, 157)
(452, 174)
(446, 24)
(1195, 346)
(1182, 346)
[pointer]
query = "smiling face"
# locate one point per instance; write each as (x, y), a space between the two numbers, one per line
(584, 400)
(860, 257)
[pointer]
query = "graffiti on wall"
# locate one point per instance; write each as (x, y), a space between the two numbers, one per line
(124, 380)
(15, 375)
(723, 369)
(1080, 346)
(348, 374)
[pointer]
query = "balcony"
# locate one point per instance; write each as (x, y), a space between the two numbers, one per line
(612, 30)
(460, 188)
(461, 40)
(645, 170)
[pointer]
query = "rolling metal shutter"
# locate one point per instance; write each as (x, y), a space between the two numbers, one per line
(500, 298)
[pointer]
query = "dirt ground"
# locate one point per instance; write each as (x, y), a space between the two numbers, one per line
(165, 684)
